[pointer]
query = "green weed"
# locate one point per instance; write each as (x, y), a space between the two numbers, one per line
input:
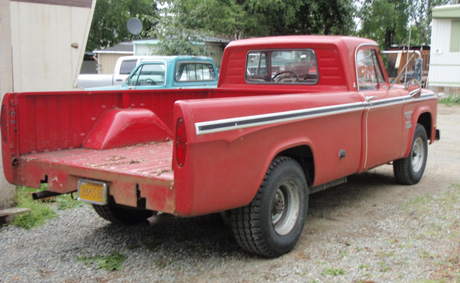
(66, 201)
(39, 212)
(161, 263)
(333, 271)
(110, 262)
(450, 100)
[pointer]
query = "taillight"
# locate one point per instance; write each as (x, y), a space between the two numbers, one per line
(4, 123)
(181, 142)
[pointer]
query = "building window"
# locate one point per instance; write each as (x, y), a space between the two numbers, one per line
(455, 36)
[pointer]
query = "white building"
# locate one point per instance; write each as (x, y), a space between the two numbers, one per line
(444, 75)
(41, 49)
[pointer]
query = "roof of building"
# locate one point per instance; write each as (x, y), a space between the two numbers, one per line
(127, 48)
(121, 48)
(447, 12)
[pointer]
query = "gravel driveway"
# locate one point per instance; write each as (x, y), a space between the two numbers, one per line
(369, 230)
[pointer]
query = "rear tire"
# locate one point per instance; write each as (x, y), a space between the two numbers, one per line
(409, 170)
(273, 222)
(122, 215)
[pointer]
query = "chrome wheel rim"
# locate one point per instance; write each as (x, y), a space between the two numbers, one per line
(285, 207)
(418, 155)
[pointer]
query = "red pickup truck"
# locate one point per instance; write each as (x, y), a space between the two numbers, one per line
(292, 115)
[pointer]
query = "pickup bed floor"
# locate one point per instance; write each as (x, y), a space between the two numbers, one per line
(148, 162)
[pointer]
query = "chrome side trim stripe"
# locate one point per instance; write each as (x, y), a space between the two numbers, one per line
(272, 118)
(296, 115)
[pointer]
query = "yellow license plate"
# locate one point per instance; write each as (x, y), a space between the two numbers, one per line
(92, 191)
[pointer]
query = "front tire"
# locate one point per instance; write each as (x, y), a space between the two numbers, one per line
(409, 170)
(122, 215)
(273, 222)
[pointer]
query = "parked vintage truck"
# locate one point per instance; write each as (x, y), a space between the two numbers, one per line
(157, 72)
(291, 115)
(123, 67)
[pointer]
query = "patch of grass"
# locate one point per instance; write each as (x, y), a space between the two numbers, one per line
(424, 254)
(421, 200)
(450, 100)
(161, 263)
(65, 201)
(39, 212)
(333, 271)
(153, 245)
(386, 254)
(384, 267)
(110, 262)
(392, 241)
(449, 270)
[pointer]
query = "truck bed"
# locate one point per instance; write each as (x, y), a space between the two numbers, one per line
(135, 171)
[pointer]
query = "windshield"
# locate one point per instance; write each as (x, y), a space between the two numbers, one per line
(148, 74)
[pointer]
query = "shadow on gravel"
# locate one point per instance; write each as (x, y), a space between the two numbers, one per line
(176, 239)
(358, 188)
(359, 200)
(199, 238)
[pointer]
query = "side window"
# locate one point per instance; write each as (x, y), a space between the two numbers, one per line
(256, 68)
(195, 72)
(148, 74)
(127, 66)
(369, 71)
(282, 67)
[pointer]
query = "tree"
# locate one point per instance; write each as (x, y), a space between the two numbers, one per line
(385, 21)
(322, 17)
(247, 18)
(388, 21)
(421, 17)
(110, 17)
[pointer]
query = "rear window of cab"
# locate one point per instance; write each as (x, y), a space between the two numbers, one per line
(282, 67)
(194, 71)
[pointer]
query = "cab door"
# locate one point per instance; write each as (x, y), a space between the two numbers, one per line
(382, 121)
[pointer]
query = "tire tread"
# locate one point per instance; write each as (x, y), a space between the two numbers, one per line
(245, 221)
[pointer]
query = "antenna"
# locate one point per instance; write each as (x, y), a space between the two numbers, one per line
(407, 56)
(134, 26)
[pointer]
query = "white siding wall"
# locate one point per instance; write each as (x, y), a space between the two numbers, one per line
(444, 65)
(42, 35)
(7, 191)
(107, 62)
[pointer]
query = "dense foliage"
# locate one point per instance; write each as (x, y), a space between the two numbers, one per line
(180, 24)
(389, 21)
(110, 17)
(240, 18)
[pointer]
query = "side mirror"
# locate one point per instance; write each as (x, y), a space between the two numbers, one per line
(414, 87)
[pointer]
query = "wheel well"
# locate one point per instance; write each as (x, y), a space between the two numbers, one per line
(304, 156)
(425, 121)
